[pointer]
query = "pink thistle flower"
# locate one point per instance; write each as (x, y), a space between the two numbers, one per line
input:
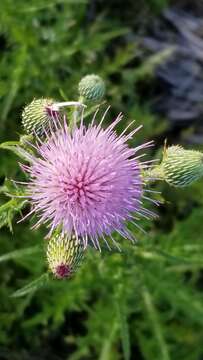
(87, 180)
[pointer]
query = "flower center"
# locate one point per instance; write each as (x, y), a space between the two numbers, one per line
(82, 191)
(75, 189)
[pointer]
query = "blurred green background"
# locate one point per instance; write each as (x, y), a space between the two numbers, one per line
(145, 303)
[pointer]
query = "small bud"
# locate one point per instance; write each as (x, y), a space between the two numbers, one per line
(181, 167)
(64, 254)
(92, 88)
(37, 116)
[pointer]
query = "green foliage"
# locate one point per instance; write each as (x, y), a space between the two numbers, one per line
(16, 203)
(143, 303)
(33, 286)
(19, 253)
(157, 5)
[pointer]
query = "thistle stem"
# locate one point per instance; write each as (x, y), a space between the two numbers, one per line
(78, 111)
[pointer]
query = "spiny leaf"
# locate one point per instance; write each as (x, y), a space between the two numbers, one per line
(9, 209)
(12, 146)
(11, 189)
(33, 286)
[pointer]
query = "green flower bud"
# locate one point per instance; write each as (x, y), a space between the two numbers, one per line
(181, 167)
(37, 116)
(92, 88)
(64, 255)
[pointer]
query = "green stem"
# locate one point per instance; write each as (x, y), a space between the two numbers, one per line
(76, 116)
(155, 324)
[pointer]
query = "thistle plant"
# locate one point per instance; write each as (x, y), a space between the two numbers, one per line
(84, 181)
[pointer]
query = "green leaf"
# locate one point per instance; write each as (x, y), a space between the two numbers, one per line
(9, 210)
(11, 189)
(149, 66)
(16, 254)
(12, 146)
(156, 324)
(125, 338)
(106, 352)
(33, 286)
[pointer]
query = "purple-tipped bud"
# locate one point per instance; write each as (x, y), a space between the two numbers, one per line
(64, 254)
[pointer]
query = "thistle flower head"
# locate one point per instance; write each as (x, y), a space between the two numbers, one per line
(37, 115)
(88, 181)
(64, 255)
(181, 167)
(92, 87)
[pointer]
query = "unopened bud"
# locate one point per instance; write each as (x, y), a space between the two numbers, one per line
(92, 88)
(64, 255)
(181, 167)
